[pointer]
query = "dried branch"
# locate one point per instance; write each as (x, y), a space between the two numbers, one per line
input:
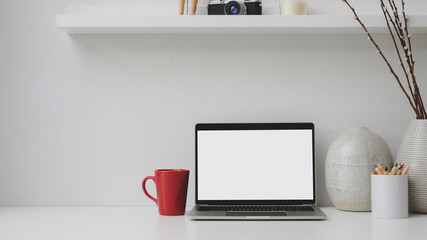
(400, 28)
(380, 52)
(387, 14)
(407, 33)
(412, 61)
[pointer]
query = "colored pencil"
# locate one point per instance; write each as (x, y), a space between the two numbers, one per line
(381, 168)
(406, 170)
(378, 171)
(399, 171)
(394, 170)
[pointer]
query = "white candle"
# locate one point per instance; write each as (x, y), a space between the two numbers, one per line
(293, 7)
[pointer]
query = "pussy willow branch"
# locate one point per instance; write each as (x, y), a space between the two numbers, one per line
(410, 59)
(397, 24)
(382, 55)
(403, 36)
(405, 18)
(398, 31)
(405, 39)
(412, 65)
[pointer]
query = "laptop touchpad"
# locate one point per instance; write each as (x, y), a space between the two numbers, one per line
(256, 214)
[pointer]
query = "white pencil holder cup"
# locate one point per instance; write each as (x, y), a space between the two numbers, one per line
(389, 195)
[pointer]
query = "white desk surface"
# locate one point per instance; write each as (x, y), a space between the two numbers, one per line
(127, 223)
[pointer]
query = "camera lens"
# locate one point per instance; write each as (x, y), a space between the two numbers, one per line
(235, 8)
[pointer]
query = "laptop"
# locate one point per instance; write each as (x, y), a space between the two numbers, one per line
(255, 171)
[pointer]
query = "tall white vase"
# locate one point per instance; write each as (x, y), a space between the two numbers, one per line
(347, 168)
(413, 150)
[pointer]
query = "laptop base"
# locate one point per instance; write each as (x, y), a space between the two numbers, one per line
(317, 214)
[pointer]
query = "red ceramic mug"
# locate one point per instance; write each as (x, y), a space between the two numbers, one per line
(171, 186)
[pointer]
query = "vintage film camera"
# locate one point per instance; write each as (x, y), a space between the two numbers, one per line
(235, 7)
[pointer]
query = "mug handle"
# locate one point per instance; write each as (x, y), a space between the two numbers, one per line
(145, 190)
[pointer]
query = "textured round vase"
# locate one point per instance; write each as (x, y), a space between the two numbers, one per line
(413, 150)
(347, 168)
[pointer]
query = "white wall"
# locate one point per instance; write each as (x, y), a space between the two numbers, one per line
(84, 118)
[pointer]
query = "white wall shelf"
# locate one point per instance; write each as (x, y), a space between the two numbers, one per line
(266, 24)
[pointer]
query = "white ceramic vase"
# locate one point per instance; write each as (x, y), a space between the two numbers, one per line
(347, 168)
(413, 150)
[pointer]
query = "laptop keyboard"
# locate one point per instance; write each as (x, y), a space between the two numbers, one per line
(256, 208)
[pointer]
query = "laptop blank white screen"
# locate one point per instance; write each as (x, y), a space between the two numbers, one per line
(255, 164)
